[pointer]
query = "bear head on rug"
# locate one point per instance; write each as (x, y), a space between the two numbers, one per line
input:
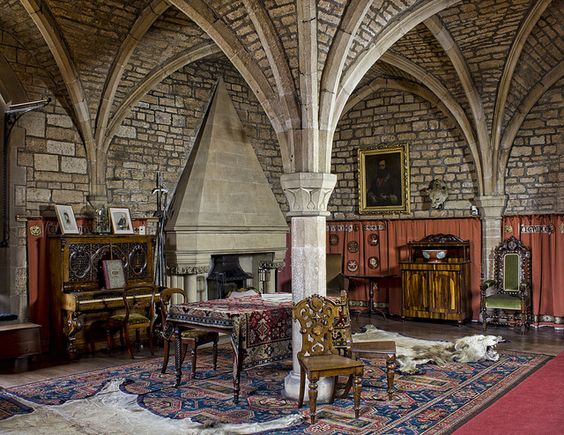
(411, 352)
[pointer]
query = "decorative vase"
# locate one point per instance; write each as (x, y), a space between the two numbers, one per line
(434, 255)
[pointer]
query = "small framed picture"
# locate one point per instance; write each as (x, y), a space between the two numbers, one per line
(67, 221)
(121, 221)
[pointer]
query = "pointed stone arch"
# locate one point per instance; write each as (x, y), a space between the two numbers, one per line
(484, 158)
(521, 113)
(389, 36)
(45, 22)
(143, 23)
(334, 64)
(447, 99)
(203, 16)
(505, 81)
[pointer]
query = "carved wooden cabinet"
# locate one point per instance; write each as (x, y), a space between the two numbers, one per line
(437, 288)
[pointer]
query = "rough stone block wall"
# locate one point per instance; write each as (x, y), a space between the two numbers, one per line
(437, 150)
(51, 154)
(535, 171)
(156, 136)
(159, 134)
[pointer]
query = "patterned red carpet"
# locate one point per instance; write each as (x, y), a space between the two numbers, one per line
(437, 400)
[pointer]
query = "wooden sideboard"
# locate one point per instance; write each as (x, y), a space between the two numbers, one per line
(438, 289)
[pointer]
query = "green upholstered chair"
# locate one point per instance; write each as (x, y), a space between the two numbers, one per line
(506, 299)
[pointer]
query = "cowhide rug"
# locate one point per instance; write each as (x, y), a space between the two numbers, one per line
(411, 352)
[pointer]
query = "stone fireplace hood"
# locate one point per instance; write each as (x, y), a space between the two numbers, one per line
(223, 203)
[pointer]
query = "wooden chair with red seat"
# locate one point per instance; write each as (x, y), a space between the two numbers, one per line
(190, 338)
(318, 357)
(344, 343)
(134, 317)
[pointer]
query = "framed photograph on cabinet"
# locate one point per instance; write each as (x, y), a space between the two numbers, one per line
(383, 179)
(121, 221)
(67, 221)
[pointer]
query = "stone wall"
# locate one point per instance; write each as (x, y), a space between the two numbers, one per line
(437, 150)
(159, 133)
(535, 172)
(156, 136)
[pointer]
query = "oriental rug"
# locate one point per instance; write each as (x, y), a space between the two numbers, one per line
(436, 401)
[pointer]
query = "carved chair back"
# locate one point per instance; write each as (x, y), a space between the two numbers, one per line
(512, 267)
(134, 305)
(166, 299)
(316, 315)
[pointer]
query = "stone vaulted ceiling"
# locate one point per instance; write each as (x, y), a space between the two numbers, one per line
(485, 62)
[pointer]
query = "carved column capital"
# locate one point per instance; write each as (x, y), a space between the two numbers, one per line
(491, 206)
(308, 192)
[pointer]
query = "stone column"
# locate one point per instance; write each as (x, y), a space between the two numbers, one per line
(491, 210)
(308, 194)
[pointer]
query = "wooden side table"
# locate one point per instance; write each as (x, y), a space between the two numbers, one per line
(372, 287)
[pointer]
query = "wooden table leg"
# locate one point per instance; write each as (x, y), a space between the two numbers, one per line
(178, 355)
(371, 302)
(238, 356)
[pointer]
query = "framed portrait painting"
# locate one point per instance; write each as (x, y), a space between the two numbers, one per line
(383, 179)
(67, 221)
(121, 220)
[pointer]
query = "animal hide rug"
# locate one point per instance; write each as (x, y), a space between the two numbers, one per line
(411, 352)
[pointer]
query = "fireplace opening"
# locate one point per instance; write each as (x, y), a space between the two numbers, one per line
(226, 275)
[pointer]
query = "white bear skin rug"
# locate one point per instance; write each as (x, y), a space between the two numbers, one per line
(411, 352)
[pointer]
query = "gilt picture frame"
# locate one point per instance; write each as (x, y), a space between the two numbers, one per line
(383, 179)
(67, 220)
(121, 220)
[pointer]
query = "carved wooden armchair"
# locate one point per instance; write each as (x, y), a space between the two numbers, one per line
(318, 357)
(190, 338)
(510, 290)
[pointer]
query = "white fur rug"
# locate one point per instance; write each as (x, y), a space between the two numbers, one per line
(112, 411)
(411, 352)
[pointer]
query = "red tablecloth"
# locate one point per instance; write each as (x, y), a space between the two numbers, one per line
(261, 329)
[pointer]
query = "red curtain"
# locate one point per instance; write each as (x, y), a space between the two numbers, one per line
(376, 247)
(403, 231)
(383, 244)
(38, 275)
(544, 235)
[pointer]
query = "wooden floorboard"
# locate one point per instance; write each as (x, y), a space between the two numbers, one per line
(543, 340)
